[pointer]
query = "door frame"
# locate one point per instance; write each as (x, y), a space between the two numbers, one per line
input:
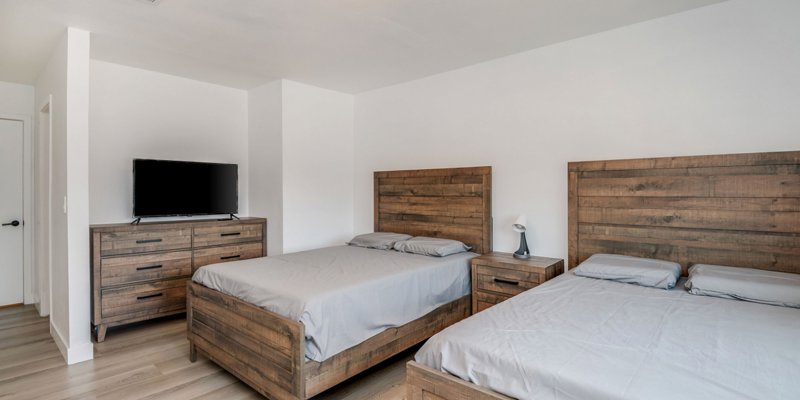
(27, 204)
(45, 199)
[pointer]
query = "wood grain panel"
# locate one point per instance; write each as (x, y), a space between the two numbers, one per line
(321, 376)
(453, 203)
(427, 383)
(138, 268)
(721, 240)
(230, 345)
(485, 300)
(718, 160)
(767, 204)
(222, 254)
(765, 221)
(153, 296)
(505, 281)
(694, 186)
(738, 210)
(144, 239)
(435, 190)
(227, 234)
(696, 171)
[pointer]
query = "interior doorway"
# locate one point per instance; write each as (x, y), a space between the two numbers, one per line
(12, 200)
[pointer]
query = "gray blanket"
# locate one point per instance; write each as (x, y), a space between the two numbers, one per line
(346, 294)
(582, 338)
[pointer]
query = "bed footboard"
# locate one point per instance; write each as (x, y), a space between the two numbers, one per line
(263, 349)
(423, 382)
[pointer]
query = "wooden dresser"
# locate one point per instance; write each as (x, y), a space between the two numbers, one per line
(139, 272)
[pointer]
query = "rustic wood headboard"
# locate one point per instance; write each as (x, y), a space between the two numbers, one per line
(741, 210)
(452, 203)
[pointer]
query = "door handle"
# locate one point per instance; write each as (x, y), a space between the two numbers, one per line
(12, 223)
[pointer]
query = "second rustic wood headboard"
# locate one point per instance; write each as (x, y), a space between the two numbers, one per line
(452, 203)
(739, 210)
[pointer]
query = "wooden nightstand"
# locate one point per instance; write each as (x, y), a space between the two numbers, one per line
(499, 276)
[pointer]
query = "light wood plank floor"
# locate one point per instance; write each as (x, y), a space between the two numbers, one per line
(145, 361)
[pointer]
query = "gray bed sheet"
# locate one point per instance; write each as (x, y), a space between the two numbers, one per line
(344, 294)
(582, 338)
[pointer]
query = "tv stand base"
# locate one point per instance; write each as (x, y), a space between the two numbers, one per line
(230, 218)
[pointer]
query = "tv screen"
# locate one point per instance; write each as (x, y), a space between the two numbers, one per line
(169, 188)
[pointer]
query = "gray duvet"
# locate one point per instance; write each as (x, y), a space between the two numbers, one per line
(582, 338)
(343, 295)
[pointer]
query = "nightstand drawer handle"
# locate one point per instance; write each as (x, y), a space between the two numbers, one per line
(150, 267)
(149, 296)
(230, 234)
(143, 241)
(507, 282)
(230, 257)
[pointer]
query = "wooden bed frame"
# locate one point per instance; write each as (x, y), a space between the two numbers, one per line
(267, 350)
(740, 210)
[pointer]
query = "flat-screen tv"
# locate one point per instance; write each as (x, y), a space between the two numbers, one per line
(170, 188)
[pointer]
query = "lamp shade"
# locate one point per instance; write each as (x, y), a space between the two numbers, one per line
(521, 223)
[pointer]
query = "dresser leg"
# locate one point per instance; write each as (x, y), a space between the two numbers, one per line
(100, 332)
(192, 352)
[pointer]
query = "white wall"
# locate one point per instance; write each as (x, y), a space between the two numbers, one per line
(301, 163)
(80, 343)
(265, 141)
(16, 99)
(142, 114)
(66, 79)
(719, 79)
(317, 167)
(53, 81)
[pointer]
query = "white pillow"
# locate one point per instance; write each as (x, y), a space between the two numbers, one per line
(431, 246)
(748, 284)
(627, 269)
(378, 240)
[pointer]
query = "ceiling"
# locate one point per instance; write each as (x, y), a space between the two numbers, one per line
(345, 45)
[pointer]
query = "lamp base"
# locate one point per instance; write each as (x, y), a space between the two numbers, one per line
(523, 252)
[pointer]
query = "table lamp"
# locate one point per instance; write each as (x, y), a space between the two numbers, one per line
(520, 226)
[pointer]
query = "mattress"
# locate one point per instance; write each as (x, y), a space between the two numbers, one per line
(579, 338)
(343, 295)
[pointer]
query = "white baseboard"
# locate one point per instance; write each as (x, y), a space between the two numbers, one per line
(41, 311)
(73, 354)
(62, 345)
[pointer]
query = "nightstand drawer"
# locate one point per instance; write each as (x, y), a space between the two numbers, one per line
(221, 254)
(506, 281)
(486, 300)
(145, 267)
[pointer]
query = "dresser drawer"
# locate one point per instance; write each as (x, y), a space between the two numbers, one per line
(221, 254)
(144, 240)
(138, 268)
(145, 298)
(505, 281)
(486, 300)
(227, 234)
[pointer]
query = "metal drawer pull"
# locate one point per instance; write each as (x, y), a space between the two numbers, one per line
(142, 241)
(230, 257)
(150, 267)
(149, 296)
(231, 234)
(507, 282)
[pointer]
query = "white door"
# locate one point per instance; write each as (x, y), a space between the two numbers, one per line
(11, 269)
